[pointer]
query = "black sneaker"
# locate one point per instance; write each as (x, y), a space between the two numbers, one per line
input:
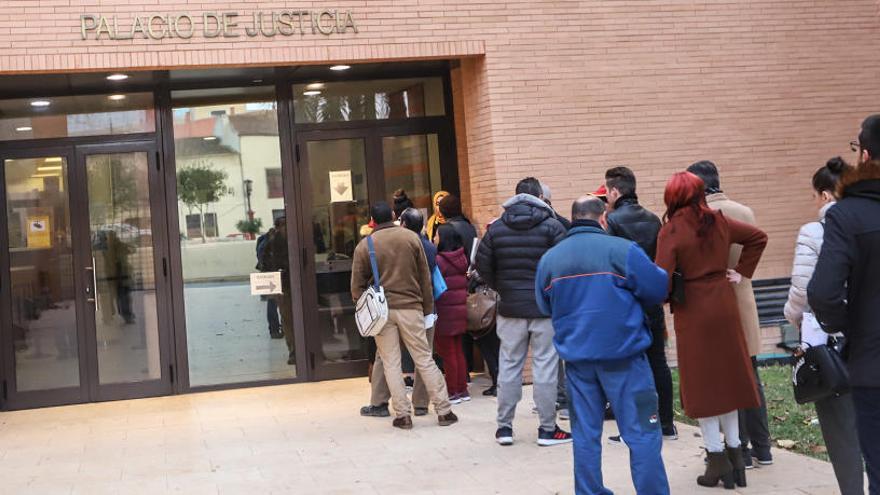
(380, 411)
(747, 457)
(556, 437)
(504, 436)
(764, 457)
(614, 439)
(491, 391)
(670, 432)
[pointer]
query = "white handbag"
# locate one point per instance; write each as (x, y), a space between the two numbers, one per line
(371, 310)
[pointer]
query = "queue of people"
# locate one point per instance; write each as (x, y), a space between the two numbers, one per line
(588, 296)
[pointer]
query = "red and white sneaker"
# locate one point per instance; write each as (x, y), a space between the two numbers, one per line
(556, 437)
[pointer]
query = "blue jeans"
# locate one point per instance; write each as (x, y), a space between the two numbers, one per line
(628, 385)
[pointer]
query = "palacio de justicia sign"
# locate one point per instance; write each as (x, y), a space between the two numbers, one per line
(218, 24)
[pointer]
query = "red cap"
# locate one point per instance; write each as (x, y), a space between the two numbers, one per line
(601, 192)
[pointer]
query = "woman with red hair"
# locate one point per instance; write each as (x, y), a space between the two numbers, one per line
(713, 358)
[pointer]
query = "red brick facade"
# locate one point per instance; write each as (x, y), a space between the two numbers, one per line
(561, 90)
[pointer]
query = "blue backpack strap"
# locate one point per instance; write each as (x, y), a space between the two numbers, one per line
(373, 264)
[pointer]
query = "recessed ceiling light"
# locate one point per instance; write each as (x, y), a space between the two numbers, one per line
(24, 128)
(41, 103)
(317, 85)
(53, 168)
(340, 67)
(117, 77)
(116, 97)
(54, 159)
(311, 92)
(210, 138)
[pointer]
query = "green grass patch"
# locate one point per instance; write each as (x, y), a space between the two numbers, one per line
(788, 419)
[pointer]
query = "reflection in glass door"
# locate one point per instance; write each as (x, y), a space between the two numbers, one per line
(339, 217)
(43, 316)
(122, 267)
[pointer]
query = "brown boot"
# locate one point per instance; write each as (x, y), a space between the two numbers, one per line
(718, 469)
(447, 419)
(739, 465)
(403, 422)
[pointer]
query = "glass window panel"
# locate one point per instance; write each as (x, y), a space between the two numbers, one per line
(126, 319)
(412, 163)
(41, 274)
(226, 139)
(340, 213)
(82, 115)
(381, 99)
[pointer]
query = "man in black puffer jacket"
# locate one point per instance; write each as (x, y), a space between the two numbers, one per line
(844, 292)
(507, 260)
(628, 219)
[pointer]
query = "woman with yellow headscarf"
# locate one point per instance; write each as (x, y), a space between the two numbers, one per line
(437, 218)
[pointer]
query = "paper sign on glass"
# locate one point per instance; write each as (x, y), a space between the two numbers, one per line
(265, 283)
(340, 186)
(38, 232)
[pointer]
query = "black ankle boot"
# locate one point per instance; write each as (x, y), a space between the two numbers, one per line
(718, 469)
(739, 465)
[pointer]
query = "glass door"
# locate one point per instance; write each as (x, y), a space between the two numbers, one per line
(122, 265)
(82, 314)
(42, 312)
(337, 216)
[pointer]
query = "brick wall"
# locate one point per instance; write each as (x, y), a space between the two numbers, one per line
(564, 89)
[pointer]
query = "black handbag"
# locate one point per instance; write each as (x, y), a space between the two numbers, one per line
(818, 374)
(677, 294)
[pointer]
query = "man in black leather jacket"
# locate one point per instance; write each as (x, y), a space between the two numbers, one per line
(507, 260)
(628, 219)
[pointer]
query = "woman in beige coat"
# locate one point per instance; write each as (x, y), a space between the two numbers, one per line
(754, 430)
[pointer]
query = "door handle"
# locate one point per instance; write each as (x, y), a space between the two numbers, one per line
(92, 291)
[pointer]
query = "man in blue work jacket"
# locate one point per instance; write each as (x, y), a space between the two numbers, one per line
(594, 286)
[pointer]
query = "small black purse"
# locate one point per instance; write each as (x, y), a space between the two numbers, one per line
(677, 294)
(818, 374)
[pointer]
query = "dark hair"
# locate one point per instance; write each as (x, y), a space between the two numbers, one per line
(412, 219)
(621, 178)
(869, 137)
(279, 221)
(401, 202)
(530, 185)
(587, 208)
(450, 206)
(380, 212)
(686, 191)
(449, 238)
(827, 177)
(708, 173)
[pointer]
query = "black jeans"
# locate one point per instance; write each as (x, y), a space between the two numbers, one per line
(867, 403)
(659, 367)
(272, 316)
(489, 347)
(753, 426)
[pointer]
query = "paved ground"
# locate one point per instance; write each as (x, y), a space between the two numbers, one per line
(309, 439)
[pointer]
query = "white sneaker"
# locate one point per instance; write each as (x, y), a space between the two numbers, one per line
(454, 400)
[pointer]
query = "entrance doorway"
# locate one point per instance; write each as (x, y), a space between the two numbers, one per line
(345, 171)
(84, 307)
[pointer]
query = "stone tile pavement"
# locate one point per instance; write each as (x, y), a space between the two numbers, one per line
(308, 438)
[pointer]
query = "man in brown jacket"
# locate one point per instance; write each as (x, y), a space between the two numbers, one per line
(752, 422)
(404, 275)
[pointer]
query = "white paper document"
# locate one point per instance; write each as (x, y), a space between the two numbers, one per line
(811, 332)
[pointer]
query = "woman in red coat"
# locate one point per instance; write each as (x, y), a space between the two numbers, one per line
(713, 358)
(452, 312)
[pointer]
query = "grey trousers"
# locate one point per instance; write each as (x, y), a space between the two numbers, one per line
(381, 394)
(516, 334)
(837, 418)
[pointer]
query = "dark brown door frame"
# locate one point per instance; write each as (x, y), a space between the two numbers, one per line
(161, 386)
(12, 398)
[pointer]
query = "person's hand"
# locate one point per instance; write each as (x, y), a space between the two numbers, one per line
(733, 276)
